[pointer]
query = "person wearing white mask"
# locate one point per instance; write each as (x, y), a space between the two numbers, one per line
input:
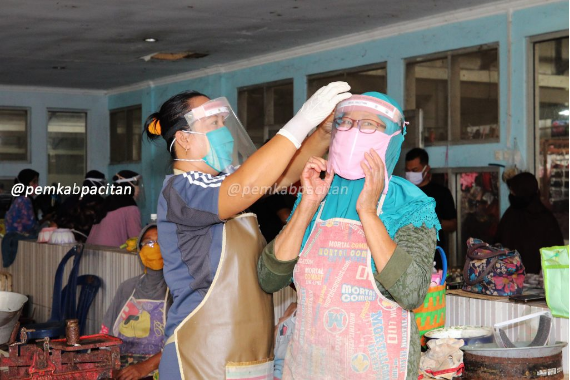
(418, 173)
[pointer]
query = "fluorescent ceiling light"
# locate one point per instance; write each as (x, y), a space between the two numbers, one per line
(150, 40)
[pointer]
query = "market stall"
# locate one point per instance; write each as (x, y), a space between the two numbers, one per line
(35, 265)
(470, 309)
(34, 269)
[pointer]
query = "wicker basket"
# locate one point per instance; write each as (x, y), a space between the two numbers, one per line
(431, 315)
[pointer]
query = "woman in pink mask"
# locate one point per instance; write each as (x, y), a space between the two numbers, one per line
(359, 247)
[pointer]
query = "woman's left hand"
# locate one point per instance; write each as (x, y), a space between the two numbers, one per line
(373, 167)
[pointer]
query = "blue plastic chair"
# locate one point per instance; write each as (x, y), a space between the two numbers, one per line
(90, 285)
(64, 302)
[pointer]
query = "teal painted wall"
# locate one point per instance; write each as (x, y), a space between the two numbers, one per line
(393, 50)
(39, 102)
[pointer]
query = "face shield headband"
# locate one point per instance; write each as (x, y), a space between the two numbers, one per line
(96, 181)
(136, 183)
(133, 181)
(373, 105)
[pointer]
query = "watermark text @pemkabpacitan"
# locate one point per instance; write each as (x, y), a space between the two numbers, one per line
(110, 189)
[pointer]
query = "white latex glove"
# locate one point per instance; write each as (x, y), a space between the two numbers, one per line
(314, 111)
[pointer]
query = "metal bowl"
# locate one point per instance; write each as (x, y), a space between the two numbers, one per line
(471, 335)
(492, 350)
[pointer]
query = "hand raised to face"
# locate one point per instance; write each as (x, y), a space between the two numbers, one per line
(374, 172)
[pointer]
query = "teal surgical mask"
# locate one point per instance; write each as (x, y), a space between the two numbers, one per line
(220, 154)
(221, 148)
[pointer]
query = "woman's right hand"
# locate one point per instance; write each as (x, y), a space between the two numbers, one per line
(314, 189)
(314, 111)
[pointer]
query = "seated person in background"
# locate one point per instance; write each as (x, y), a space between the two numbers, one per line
(528, 225)
(79, 213)
(119, 217)
(46, 207)
(272, 213)
(21, 216)
(137, 314)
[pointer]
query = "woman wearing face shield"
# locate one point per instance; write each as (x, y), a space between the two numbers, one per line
(220, 324)
(119, 217)
(359, 247)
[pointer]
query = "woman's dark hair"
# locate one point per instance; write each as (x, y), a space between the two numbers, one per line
(171, 117)
(115, 201)
(26, 176)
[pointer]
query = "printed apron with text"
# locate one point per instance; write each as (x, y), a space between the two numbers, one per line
(345, 328)
(140, 325)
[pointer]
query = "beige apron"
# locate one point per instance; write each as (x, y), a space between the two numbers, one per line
(230, 334)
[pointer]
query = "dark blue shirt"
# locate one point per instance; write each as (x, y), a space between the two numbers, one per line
(190, 235)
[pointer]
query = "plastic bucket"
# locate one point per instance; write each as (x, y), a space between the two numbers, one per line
(11, 305)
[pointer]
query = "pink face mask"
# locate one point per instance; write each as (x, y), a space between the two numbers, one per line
(347, 152)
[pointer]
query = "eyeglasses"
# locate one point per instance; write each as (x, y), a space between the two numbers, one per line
(150, 243)
(366, 126)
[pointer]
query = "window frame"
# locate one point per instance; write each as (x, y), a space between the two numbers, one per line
(68, 110)
(28, 110)
(268, 127)
(533, 134)
(130, 146)
(448, 54)
(349, 70)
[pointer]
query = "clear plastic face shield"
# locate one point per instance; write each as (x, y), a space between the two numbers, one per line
(138, 187)
(362, 123)
(368, 114)
(218, 138)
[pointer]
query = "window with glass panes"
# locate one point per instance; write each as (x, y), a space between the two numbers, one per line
(126, 133)
(264, 109)
(458, 93)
